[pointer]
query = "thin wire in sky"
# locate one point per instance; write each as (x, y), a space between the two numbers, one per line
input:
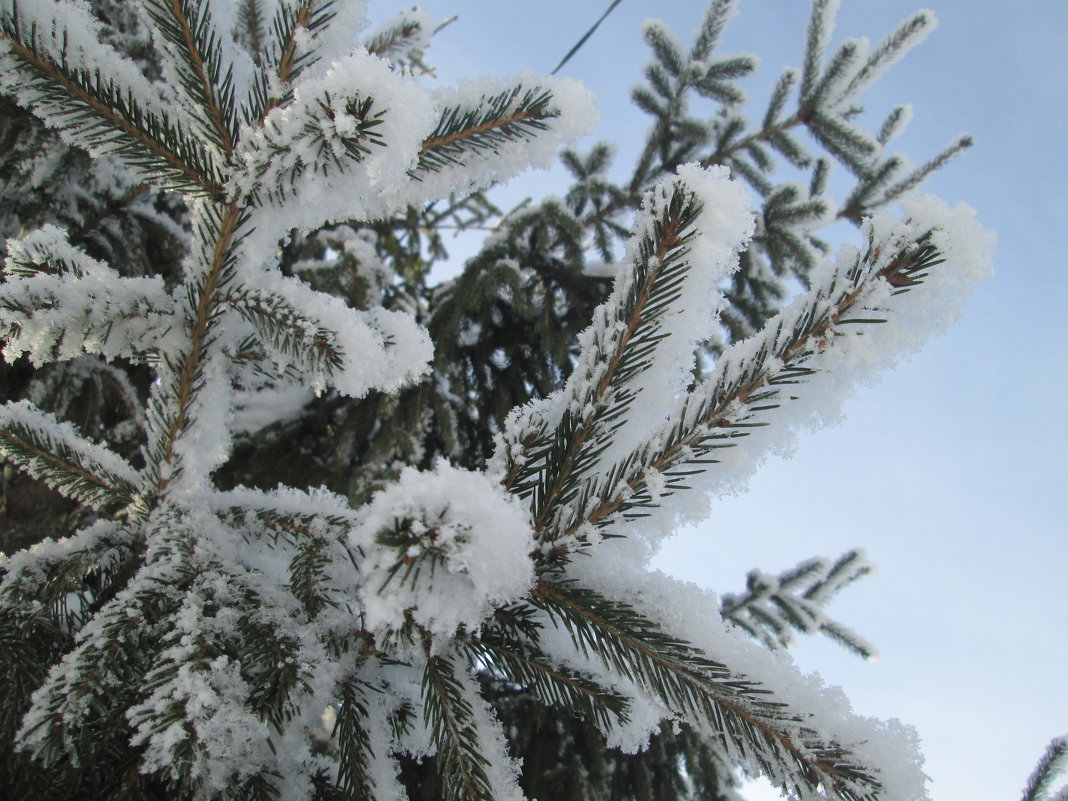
(585, 36)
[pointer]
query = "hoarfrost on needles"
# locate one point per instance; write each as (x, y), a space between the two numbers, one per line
(441, 549)
(722, 230)
(435, 553)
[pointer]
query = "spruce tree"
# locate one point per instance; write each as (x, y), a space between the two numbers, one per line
(331, 531)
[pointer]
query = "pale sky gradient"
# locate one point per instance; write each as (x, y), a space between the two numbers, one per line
(950, 474)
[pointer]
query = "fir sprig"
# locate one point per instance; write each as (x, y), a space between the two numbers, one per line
(187, 26)
(523, 664)
(909, 33)
(57, 454)
(826, 106)
(271, 520)
(283, 54)
(773, 606)
(354, 745)
(58, 317)
(251, 29)
(79, 711)
(450, 716)
(286, 330)
(218, 230)
(105, 115)
(734, 397)
(740, 713)
(72, 577)
(515, 114)
(30, 641)
(1053, 762)
(395, 38)
(713, 24)
(626, 336)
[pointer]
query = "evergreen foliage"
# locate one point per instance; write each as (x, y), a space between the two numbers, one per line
(330, 531)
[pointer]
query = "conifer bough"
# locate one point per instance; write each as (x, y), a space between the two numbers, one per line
(485, 464)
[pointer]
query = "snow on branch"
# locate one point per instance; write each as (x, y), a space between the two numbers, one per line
(524, 664)
(1052, 764)
(747, 719)
(638, 353)
(471, 754)
(284, 49)
(53, 451)
(288, 644)
(54, 318)
(858, 319)
(772, 607)
(186, 29)
(490, 130)
(330, 343)
(66, 577)
(317, 137)
(858, 757)
(441, 549)
(402, 39)
(52, 62)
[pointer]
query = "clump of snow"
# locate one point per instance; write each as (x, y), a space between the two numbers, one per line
(379, 348)
(441, 549)
(317, 188)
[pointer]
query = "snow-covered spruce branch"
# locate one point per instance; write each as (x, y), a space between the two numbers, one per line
(52, 451)
(450, 701)
(515, 657)
(772, 607)
(353, 739)
(52, 64)
(283, 329)
(324, 133)
(187, 31)
(98, 678)
(516, 113)
(281, 52)
(827, 92)
(56, 302)
(48, 251)
(1051, 765)
(402, 39)
(67, 577)
(748, 719)
(250, 29)
(624, 335)
(855, 316)
(484, 128)
(672, 77)
(194, 644)
(285, 513)
(182, 378)
(639, 345)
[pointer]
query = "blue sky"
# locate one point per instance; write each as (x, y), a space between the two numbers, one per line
(950, 473)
